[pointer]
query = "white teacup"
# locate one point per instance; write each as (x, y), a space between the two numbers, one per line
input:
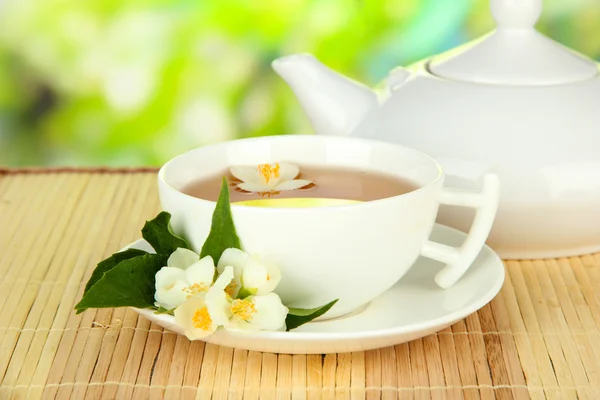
(351, 252)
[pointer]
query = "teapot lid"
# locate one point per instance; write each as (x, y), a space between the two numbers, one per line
(515, 53)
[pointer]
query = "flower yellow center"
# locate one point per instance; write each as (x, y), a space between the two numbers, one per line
(230, 289)
(195, 289)
(201, 319)
(268, 171)
(243, 309)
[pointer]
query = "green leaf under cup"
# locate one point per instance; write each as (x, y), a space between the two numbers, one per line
(300, 316)
(108, 264)
(222, 235)
(162, 310)
(128, 284)
(160, 235)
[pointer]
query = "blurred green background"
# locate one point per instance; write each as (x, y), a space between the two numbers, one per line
(107, 82)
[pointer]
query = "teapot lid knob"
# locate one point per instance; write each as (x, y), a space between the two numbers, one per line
(514, 53)
(516, 14)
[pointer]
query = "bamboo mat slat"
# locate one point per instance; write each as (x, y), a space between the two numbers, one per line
(539, 338)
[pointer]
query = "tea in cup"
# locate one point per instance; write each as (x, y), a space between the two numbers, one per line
(343, 218)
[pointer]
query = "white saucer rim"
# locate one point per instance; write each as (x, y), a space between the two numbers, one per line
(445, 320)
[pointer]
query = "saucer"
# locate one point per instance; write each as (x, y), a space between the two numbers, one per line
(413, 308)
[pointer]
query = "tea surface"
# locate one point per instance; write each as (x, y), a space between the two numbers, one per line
(329, 183)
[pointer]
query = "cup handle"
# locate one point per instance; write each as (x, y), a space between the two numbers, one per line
(459, 259)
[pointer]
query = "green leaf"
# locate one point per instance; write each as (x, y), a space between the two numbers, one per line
(159, 234)
(162, 310)
(222, 233)
(300, 316)
(108, 264)
(129, 284)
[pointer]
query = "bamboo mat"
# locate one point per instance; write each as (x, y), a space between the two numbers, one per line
(539, 338)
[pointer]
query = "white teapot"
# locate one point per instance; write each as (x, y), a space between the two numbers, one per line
(513, 102)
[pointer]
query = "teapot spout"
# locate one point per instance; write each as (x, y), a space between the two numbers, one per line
(334, 104)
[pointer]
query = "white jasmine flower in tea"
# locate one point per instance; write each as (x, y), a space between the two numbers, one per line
(253, 313)
(269, 178)
(194, 318)
(185, 275)
(250, 273)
